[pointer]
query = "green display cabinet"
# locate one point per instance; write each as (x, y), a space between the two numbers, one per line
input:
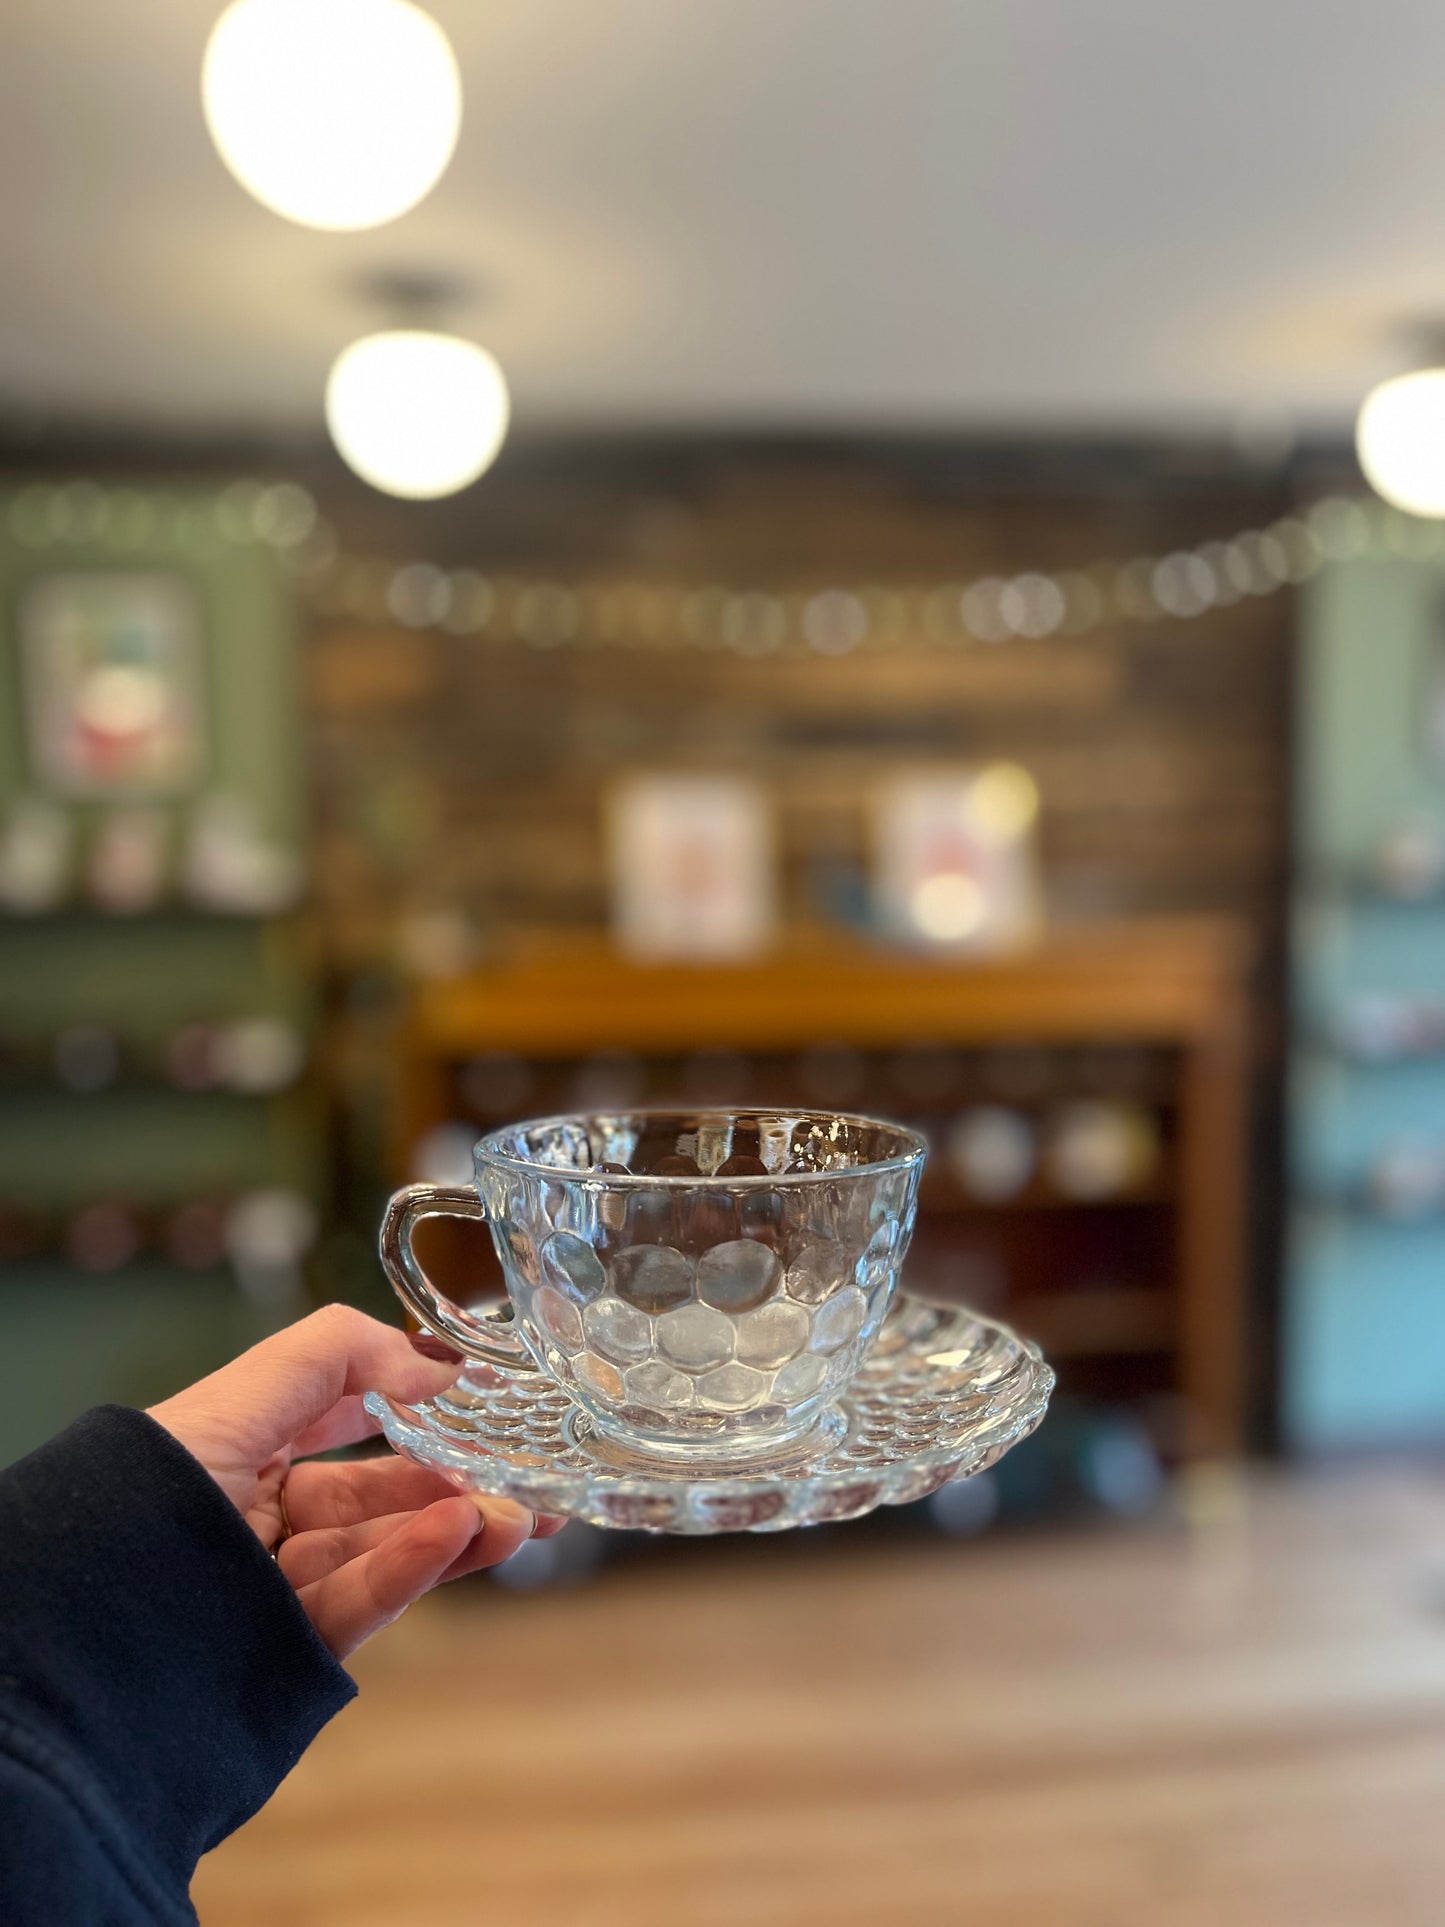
(159, 1116)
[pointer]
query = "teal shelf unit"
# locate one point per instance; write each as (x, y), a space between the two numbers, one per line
(1364, 1328)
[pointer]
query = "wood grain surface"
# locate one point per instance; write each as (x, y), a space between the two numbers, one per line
(1238, 1717)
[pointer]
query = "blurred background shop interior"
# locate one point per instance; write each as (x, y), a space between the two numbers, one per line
(924, 644)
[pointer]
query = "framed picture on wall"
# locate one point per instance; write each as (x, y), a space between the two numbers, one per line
(692, 867)
(955, 859)
(114, 684)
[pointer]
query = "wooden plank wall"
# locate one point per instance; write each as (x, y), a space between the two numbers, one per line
(450, 768)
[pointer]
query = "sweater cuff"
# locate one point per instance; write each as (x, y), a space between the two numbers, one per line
(149, 1636)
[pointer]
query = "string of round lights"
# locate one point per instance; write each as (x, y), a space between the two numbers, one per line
(829, 620)
(834, 620)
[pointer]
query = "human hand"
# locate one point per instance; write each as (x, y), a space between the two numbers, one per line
(367, 1537)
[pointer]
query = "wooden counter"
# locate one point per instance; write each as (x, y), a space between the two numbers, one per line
(1174, 988)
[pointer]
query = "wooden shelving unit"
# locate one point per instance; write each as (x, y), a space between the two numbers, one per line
(1137, 1295)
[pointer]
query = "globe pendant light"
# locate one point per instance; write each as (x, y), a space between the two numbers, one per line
(334, 113)
(1400, 439)
(417, 414)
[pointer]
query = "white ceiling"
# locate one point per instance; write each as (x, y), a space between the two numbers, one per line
(943, 213)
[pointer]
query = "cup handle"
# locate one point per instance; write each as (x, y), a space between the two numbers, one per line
(488, 1336)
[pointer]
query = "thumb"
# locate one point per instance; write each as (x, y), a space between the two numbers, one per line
(272, 1393)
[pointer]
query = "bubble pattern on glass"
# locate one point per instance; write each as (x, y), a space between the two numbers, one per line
(703, 1309)
(941, 1395)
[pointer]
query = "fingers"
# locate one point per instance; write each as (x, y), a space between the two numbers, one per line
(310, 1555)
(366, 1593)
(333, 1494)
(279, 1389)
(324, 1496)
(347, 1423)
(506, 1527)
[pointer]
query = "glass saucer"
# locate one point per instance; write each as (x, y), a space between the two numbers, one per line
(943, 1394)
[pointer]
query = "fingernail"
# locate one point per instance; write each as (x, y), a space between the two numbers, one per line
(431, 1347)
(506, 1512)
(480, 1521)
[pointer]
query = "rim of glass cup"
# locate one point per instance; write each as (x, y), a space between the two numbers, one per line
(487, 1149)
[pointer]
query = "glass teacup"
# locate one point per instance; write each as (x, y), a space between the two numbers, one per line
(703, 1283)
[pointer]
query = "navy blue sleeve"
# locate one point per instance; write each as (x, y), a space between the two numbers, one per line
(158, 1678)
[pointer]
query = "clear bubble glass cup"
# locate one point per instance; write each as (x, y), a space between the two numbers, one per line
(702, 1283)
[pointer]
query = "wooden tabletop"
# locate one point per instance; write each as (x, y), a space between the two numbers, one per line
(1242, 1722)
